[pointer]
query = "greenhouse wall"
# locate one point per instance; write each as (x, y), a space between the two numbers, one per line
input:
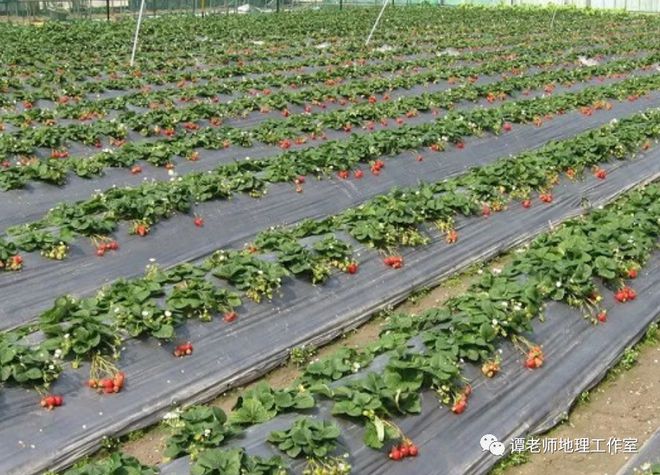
(39, 10)
(630, 5)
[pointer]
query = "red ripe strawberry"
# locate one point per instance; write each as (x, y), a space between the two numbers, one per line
(285, 144)
(395, 262)
(459, 406)
(100, 251)
(546, 197)
(395, 454)
(630, 293)
(452, 237)
(460, 145)
(527, 203)
(405, 451)
(141, 230)
(230, 317)
(6, 164)
(352, 268)
(300, 180)
(347, 128)
(343, 174)
(58, 400)
(602, 316)
(48, 402)
(136, 169)
(419, 158)
(530, 363)
(620, 296)
(372, 99)
(119, 379)
(414, 451)
(507, 127)
(358, 174)
(600, 174)
(485, 210)
(632, 273)
(285, 113)
(379, 164)
(199, 222)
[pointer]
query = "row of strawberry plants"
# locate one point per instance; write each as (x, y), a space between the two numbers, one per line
(565, 266)
(267, 53)
(91, 328)
(70, 105)
(283, 132)
(216, 82)
(154, 201)
(54, 136)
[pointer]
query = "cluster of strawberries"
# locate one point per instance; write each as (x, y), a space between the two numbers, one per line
(534, 358)
(395, 262)
(403, 450)
(106, 246)
(460, 402)
(108, 385)
(50, 401)
(625, 294)
(185, 349)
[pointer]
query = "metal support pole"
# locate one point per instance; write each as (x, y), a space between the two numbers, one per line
(382, 10)
(277, 8)
(107, 9)
(137, 32)
(341, 4)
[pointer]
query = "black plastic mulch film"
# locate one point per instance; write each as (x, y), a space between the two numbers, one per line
(648, 455)
(515, 404)
(35, 440)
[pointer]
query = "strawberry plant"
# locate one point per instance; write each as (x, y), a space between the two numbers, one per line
(79, 329)
(115, 464)
(263, 403)
(236, 462)
(9, 258)
(306, 437)
(196, 429)
(24, 364)
(200, 299)
(257, 277)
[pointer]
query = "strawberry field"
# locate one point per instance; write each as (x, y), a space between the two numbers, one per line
(256, 186)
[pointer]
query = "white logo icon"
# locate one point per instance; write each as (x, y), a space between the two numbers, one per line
(489, 443)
